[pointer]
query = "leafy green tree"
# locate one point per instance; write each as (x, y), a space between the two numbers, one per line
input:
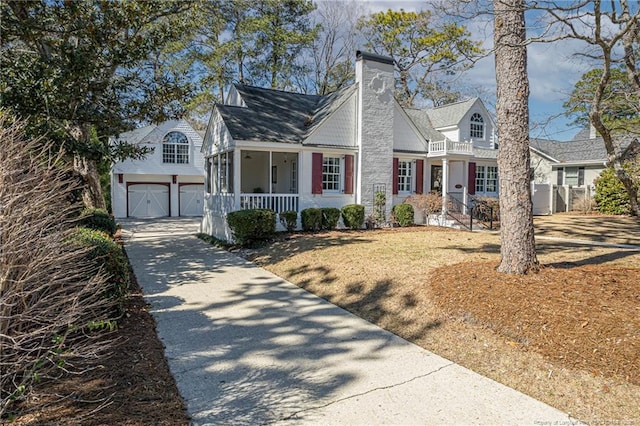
(76, 67)
(620, 105)
(423, 51)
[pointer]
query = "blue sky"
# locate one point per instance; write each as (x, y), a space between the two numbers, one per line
(553, 70)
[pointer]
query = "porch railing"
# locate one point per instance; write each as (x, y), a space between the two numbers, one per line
(445, 147)
(477, 210)
(275, 202)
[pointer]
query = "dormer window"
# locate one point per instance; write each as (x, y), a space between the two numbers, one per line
(175, 148)
(476, 129)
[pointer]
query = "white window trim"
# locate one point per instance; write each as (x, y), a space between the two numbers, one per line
(175, 148)
(412, 171)
(482, 123)
(341, 164)
(485, 179)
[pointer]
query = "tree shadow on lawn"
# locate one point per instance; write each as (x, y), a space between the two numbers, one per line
(621, 230)
(383, 302)
(288, 245)
(579, 252)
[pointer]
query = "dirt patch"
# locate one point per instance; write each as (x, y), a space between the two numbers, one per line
(131, 387)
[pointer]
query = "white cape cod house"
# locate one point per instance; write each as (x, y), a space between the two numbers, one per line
(287, 151)
(167, 182)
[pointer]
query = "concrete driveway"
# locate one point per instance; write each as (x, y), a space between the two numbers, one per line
(247, 347)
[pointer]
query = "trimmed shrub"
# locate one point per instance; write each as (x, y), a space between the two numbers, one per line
(403, 214)
(289, 219)
(114, 262)
(330, 218)
(611, 196)
(252, 226)
(311, 219)
(353, 216)
(98, 219)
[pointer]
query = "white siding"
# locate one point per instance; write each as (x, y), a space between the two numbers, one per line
(405, 137)
(153, 164)
(339, 129)
(217, 138)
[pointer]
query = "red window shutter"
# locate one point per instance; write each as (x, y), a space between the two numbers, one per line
(348, 174)
(419, 176)
(395, 176)
(472, 179)
(316, 173)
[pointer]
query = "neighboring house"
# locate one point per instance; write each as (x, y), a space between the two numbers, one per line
(568, 168)
(289, 151)
(168, 182)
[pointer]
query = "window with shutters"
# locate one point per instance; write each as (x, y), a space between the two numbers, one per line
(331, 173)
(404, 176)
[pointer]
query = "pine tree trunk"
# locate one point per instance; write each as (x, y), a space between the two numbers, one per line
(518, 255)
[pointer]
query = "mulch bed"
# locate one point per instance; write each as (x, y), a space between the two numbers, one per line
(131, 387)
(583, 317)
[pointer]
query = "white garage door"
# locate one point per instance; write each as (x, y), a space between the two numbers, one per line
(148, 200)
(191, 197)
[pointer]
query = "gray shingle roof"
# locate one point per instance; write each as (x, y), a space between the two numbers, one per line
(575, 151)
(451, 114)
(136, 135)
(422, 122)
(278, 116)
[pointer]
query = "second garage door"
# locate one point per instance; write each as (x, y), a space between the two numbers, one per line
(148, 200)
(191, 196)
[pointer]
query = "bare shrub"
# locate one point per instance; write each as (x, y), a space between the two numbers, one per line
(51, 303)
(426, 204)
(584, 204)
(487, 208)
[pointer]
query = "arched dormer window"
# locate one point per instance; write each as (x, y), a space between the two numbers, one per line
(175, 148)
(476, 129)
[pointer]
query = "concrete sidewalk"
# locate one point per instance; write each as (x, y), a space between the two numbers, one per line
(247, 347)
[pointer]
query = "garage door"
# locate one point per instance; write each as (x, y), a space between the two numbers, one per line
(148, 200)
(191, 197)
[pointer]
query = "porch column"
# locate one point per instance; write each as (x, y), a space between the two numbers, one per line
(270, 172)
(445, 184)
(237, 178)
(465, 186)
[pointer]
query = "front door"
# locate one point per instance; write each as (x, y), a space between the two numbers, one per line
(436, 179)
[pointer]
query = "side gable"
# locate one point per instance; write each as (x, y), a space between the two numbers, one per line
(217, 137)
(337, 127)
(406, 137)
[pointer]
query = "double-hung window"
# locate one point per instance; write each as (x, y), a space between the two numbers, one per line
(486, 179)
(175, 148)
(405, 176)
(331, 173)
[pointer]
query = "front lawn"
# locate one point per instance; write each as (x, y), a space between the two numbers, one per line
(569, 336)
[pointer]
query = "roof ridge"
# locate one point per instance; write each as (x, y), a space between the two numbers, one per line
(451, 104)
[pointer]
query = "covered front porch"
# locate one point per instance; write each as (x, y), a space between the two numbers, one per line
(265, 179)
